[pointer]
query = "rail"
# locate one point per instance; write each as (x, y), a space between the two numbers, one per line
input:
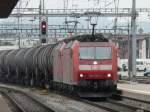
(23, 102)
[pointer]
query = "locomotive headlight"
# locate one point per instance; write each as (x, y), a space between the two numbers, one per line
(108, 75)
(81, 75)
(95, 62)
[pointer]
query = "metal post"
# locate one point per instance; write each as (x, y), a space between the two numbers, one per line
(47, 27)
(43, 6)
(40, 12)
(19, 39)
(115, 30)
(55, 34)
(149, 47)
(133, 38)
(43, 12)
(129, 53)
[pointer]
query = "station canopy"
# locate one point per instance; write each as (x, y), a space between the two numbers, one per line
(6, 6)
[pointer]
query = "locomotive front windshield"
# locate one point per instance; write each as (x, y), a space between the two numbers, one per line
(95, 53)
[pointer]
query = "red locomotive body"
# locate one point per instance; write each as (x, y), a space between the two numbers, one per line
(100, 63)
(86, 67)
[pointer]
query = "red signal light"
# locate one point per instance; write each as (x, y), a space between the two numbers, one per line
(43, 27)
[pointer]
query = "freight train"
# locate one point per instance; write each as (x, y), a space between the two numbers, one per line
(82, 65)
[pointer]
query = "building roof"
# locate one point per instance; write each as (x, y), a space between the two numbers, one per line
(6, 6)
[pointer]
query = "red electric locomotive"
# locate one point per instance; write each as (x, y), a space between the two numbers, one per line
(87, 68)
(85, 65)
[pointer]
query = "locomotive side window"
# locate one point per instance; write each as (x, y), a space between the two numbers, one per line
(86, 53)
(103, 53)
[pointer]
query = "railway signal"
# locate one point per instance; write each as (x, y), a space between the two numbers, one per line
(43, 27)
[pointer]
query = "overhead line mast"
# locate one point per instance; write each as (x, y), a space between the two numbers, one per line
(133, 39)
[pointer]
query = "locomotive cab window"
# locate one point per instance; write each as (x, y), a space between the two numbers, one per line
(103, 53)
(86, 53)
(95, 53)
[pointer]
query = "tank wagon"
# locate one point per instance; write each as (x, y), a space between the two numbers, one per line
(81, 65)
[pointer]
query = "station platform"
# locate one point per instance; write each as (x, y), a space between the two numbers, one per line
(3, 105)
(135, 90)
(135, 87)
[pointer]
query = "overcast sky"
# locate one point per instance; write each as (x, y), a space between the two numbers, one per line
(85, 3)
(143, 21)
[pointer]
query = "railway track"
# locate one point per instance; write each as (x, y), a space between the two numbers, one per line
(21, 102)
(117, 103)
(134, 102)
(124, 104)
(14, 107)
